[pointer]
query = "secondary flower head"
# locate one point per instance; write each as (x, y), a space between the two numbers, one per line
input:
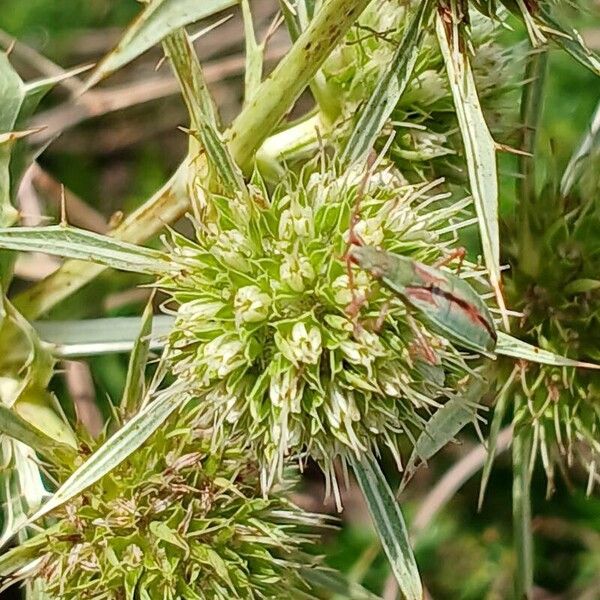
(267, 330)
(177, 519)
(555, 260)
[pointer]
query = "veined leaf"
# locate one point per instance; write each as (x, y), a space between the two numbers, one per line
(15, 426)
(70, 242)
(443, 426)
(90, 337)
(480, 150)
(157, 19)
(114, 451)
(389, 522)
(390, 86)
(515, 348)
(203, 116)
(335, 583)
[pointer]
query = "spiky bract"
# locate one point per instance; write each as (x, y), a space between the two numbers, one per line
(178, 520)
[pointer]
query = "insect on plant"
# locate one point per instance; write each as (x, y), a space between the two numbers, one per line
(447, 302)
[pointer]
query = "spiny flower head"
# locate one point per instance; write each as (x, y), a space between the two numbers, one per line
(425, 126)
(554, 255)
(267, 333)
(178, 519)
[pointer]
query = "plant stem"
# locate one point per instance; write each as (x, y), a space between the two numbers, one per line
(274, 97)
(279, 91)
(523, 538)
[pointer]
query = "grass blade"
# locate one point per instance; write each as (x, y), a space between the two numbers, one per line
(515, 348)
(522, 510)
(134, 383)
(389, 522)
(499, 412)
(70, 242)
(589, 143)
(389, 87)
(157, 19)
(128, 439)
(480, 149)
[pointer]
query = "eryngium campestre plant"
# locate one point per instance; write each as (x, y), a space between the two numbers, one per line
(427, 137)
(178, 519)
(263, 334)
(554, 253)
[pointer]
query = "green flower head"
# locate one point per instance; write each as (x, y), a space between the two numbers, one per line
(177, 519)
(267, 333)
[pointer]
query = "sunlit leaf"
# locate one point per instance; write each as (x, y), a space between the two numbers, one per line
(70, 242)
(515, 348)
(389, 523)
(480, 150)
(390, 86)
(15, 426)
(88, 337)
(157, 19)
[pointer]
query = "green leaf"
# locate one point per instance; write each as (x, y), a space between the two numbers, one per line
(136, 371)
(585, 148)
(114, 451)
(515, 348)
(17, 558)
(390, 86)
(157, 19)
(15, 426)
(203, 116)
(88, 337)
(389, 522)
(499, 411)
(480, 150)
(70, 242)
(444, 425)
(335, 583)
(254, 55)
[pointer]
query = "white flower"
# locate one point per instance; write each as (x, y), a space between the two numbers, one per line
(343, 294)
(286, 387)
(296, 220)
(295, 272)
(223, 354)
(364, 350)
(251, 304)
(370, 231)
(232, 248)
(304, 346)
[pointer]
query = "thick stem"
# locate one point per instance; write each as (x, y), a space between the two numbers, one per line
(275, 96)
(280, 90)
